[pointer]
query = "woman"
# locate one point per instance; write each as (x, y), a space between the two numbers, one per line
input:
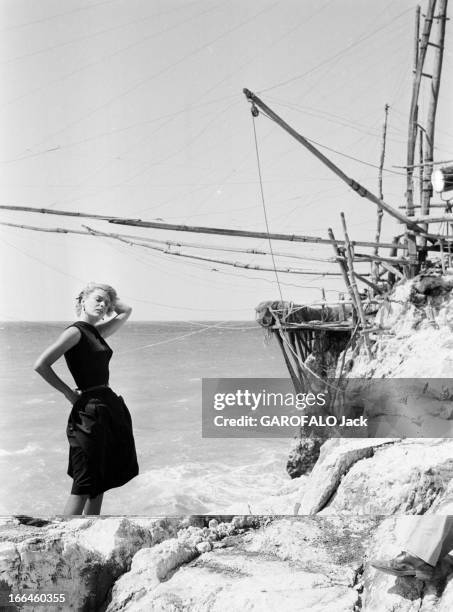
(102, 450)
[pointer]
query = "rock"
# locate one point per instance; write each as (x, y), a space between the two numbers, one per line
(336, 459)
(30, 520)
(292, 564)
(306, 564)
(203, 547)
(244, 522)
(383, 592)
(414, 331)
(444, 504)
(432, 286)
(191, 536)
(150, 566)
(80, 557)
(195, 520)
(302, 458)
(404, 478)
(446, 600)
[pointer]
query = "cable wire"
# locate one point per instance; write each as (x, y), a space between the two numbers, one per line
(264, 206)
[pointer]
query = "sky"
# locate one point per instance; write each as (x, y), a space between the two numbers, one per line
(134, 108)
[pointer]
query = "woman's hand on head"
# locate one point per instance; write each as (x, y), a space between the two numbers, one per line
(121, 307)
(123, 312)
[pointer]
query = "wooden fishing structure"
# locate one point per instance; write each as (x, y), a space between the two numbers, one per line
(312, 338)
(299, 341)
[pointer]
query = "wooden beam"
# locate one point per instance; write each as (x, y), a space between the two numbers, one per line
(197, 229)
(317, 326)
(367, 282)
(235, 264)
(380, 212)
(344, 270)
(419, 60)
(447, 218)
(367, 257)
(430, 206)
(353, 184)
(393, 270)
(353, 284)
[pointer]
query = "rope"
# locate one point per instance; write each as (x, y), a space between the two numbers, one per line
(358, 41)
(264, 207)
(356, 159)
(252, 326)
(198, 331)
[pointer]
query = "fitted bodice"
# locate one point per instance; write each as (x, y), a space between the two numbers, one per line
(88, 360)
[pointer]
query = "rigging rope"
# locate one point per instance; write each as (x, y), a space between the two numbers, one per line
(356, 159)
(192, 333)
(264, 205)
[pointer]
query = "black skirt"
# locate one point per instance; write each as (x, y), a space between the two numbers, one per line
(102, 448)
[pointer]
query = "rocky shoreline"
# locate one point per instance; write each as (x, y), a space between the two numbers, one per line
(317, 563)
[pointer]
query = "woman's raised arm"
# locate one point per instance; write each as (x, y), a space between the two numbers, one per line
(123, 312)
(43, 365)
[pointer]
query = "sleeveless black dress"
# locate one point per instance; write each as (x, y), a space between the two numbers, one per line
(101, 442)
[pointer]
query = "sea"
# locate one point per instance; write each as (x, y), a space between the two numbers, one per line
(158, 368)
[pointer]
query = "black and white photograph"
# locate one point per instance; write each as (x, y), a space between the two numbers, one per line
(226, 318)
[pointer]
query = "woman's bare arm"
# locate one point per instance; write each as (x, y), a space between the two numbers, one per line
(43, 365)
(123, 312)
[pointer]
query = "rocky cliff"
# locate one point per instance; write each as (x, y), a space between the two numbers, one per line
(403, 389)
(262, 564)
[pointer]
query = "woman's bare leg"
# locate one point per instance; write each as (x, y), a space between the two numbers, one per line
(93, 505)
(75, 504)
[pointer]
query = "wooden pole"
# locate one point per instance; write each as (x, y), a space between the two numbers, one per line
(303, 343)
(438, 45)
(447, 231)
(235, 264)
(421, 136)
(174, 243)
(298, 358)
(353, 184)
(343, 310)
(412, 135)
(442, 257)
(419, 60)
(367, 257)
(369, 283)
(344, 272)
(380, 212)
(445, 218)
(430, 206)
(296, 382)
(189, 228)
(417, 36)
(393, 270)
(354, 286)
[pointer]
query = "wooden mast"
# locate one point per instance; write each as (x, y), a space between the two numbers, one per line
(419, 61)
(438, 46)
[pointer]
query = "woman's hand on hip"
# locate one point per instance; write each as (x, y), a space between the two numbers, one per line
(73, 395)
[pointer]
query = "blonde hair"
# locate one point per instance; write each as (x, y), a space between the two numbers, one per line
(110, 291)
